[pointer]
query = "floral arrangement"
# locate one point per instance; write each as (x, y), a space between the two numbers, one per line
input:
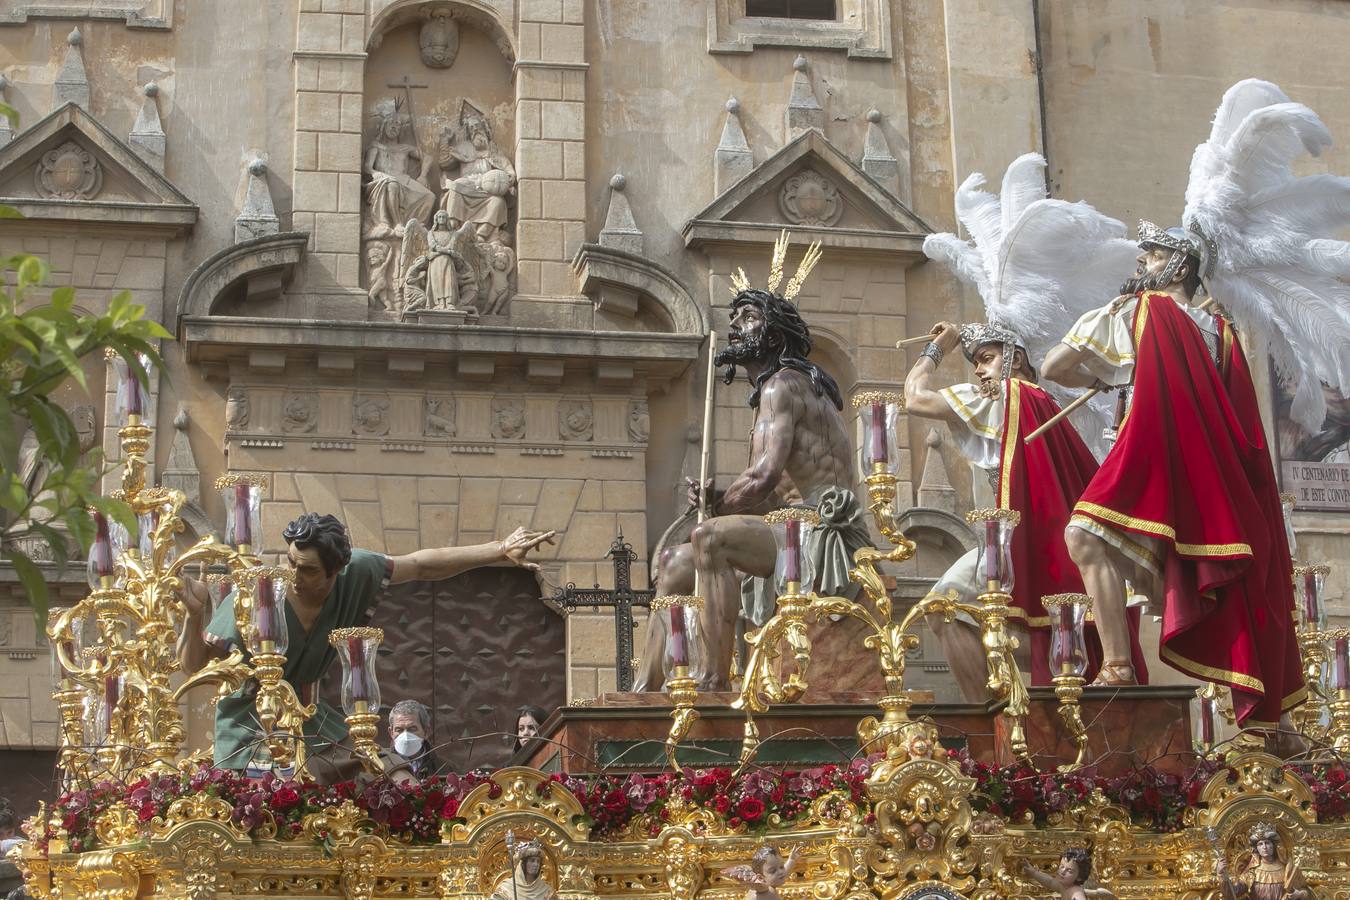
(413, 812)
(638, 805)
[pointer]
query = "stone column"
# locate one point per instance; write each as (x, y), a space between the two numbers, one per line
(550, 144)
(329, 62)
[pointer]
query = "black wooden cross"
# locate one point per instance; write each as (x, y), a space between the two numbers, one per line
(622, 598)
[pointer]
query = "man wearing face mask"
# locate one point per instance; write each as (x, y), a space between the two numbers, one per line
(336, 586)
(410, 732)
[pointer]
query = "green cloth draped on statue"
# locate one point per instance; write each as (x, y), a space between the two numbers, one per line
(830, 548)
(350, 603)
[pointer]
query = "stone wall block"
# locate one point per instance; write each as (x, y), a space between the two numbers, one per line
(315, 191)
(565, 200)
(591, 639)
(319, 31)
(318, 111)
(540, 240)
(538, 83)
(562, 43)
(563, 120)
(541, 10)
(351, 114)
(539, 159)
(574, 160)
(340, 151)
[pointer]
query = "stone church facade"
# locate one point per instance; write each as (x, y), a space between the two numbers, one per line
(446, 267)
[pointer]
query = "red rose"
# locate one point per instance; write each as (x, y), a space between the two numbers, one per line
(722, 803)
(450, 808)
(615, 803)
(750, 809)
(284, 798)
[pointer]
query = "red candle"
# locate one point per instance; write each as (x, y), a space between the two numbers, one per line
(267, 611)
(991, 552)
(1342, 677)
(356, 656)
(112, 692)
(792, 552)
(1311, 606)
(101, 553)
(878, 452)
(1064, 648)
(679, 644)
(243, 531)
(1207, 722)
(135, 394)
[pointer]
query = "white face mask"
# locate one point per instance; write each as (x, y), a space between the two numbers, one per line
(407, 744)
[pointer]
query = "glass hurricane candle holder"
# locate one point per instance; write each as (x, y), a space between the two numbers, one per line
(1204, 720)
(994, 530)
(1309, 583)
(134, 405)
(101, 565)
(267, 614)
(242, 495)
(1068, 647)
(1287, 504)
(879, 412)
(356, 650)
(1338, 655)
(684, 647)
(793, 571)
(218, 587)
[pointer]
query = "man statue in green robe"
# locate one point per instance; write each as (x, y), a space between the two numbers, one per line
(335, 586)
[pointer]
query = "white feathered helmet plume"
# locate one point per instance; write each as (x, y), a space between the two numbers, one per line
(1265, 239)
(1038, 263)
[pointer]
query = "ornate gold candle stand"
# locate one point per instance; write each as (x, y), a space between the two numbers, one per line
(1338, 651)
(356, 649)
(1068, 665)
(1312, 644)
(682, 653)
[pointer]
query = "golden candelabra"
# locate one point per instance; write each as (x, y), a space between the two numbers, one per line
(895, 734)
(117, 647)
(127, 629)
(1068, 668)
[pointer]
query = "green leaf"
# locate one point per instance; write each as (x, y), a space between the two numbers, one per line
(9, 212)
(10, 113)
(31, 577)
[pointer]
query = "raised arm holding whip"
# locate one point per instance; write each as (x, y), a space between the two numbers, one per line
(1029, 258)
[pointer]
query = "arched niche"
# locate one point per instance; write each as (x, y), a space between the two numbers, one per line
(441, 66)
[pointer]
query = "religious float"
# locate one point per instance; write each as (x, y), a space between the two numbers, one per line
(956, 802)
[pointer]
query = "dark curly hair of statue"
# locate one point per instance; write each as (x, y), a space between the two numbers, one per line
(787, 344)
(323, 533)
(1082, 859)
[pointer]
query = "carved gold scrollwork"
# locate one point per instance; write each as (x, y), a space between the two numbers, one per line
(518, 790)
(682, 862)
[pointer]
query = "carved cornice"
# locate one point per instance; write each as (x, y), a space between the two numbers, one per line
(598, 266)
(264, 263)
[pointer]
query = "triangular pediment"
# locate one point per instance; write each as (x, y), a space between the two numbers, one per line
(69, 167)
(811, 188)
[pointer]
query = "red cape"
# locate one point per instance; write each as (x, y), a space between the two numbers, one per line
(1190, 468)
(1041, 480)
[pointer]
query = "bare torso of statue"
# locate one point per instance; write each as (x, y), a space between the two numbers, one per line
(799, 442)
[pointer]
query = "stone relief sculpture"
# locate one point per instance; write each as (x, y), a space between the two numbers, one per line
(808, 198)
(301, 414)
(508, 419)
(236, 409)
(69, 172)
(463, 261)
(370, 415)
(639, 422)
(440, 417)
(438, 40)
(576, 422)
